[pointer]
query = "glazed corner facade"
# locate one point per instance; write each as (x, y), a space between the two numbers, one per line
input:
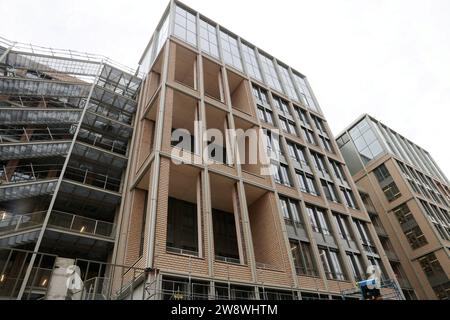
(409, 198)
(193, 69)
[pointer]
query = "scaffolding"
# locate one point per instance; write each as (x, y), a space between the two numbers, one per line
(388, 288)
(66, 121)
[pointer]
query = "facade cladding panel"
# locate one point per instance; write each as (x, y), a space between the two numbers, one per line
(407, 197)
(95, 174)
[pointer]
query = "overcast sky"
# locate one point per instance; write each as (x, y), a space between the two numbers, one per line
(388, 58)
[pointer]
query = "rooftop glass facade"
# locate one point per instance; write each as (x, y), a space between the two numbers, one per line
(193, 29)
(370, 139)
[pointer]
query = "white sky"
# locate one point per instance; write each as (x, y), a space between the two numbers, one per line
(388, 58)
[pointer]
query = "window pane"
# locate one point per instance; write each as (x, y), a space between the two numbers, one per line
(208, 38)
(270, 73)
(251, 62)
(185, 26)
(306, 97)
(230, 49)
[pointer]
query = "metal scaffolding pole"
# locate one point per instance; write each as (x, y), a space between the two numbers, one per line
(3, 56)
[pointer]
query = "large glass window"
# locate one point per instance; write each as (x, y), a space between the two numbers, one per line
(309, 136)
(319, 162)
(303, 258)
(265, 115)
(230, 50)
(281, 105)
(430, 265)
(403, 214)
(250, 62)
(307, 183)
(281, 174)
(391, 192)
(319, 125)
(162, 34)
(302, 116)
(326, 143)
(366, 141)
(349, 198)
(305, 95)
(363, 232)
(382, 173)
(343, 228)
(297, 153)
(442, 291)
(329, 190)
(273, 143)
(225, 238)
(318, 220)
(290, 211)
(331, 264)
(182, 232)
(338, 171)
(288, 84)
(185, 26)
(260, 96)
(288, 126)
(270, 72)
(355, 263)
(416, 238)
(208, 38)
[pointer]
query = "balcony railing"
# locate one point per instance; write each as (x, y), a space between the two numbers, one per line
(182, 251)
(91, 178)
(29, 172)
(227, 259)
(102, 142)
(34, 134)
(99, 280)
(266, 266)
(38, 281)
(32, 172)
(59, 220)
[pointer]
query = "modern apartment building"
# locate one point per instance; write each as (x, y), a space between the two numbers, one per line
(211, 227)
(407, 197)
(104, 168)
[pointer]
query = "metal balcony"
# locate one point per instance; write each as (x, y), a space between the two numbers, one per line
(33, 116)
(99, 158)
(19, 174)
(26, 173)
(33, 134)
(29, 150)
(27, 189)
(114, 76)
(35, 87)
(13, 224)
